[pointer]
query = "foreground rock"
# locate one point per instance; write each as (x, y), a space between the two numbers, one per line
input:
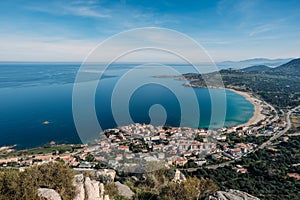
(124, 190)
(79, 184)
(87, 189)
(106, 173)
(231, 195)
(92, 189)
(48, 194)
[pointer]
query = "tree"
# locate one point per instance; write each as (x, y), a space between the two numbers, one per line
(90, 158)
(15, 185)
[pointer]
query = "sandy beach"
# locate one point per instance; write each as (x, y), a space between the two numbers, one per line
(257, 116)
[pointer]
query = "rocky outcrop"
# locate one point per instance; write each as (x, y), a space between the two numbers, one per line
(179, 176)
(92, 189)
(48, 194)
(231, 195)
(124, 190)
(108, 173)
(87, 189)
(79, 184)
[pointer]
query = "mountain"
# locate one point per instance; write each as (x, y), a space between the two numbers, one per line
(251, 62)
(292, 68)
(256, 68)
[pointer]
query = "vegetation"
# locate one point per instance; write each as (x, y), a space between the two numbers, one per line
(111, 190)
(232, 139)
(159, 185)
(15, 185)
(267, 172)
(190, 189)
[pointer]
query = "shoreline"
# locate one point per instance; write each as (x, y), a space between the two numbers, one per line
(257, 115)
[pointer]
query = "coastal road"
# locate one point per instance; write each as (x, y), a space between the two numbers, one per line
(274, 137)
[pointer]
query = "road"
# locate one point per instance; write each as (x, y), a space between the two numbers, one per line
(274, 137)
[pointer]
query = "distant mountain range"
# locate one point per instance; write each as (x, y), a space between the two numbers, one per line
(252, 62)
(291, 68)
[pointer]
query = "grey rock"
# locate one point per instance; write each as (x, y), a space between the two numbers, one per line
(79, 184)
(101, 190)
(231, 195)
(106, 173)
(92, 189)
(124, 190)
(48, 194)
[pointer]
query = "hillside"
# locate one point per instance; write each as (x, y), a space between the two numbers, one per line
(291, 68)
(256, 68)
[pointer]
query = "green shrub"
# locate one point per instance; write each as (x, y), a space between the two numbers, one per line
(15, 185)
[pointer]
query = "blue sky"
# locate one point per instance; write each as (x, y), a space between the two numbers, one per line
(67, 30)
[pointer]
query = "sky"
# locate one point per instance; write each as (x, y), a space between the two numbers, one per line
(68, 30)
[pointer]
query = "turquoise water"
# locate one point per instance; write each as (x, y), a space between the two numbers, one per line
(33, 93)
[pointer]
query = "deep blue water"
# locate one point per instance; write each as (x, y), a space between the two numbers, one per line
(31, 93)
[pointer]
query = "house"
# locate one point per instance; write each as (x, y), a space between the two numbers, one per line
(129, 156)
(240, 169)
(199, 162)
(85, 165)
(124, 148)
(119, 157)
(180, 161)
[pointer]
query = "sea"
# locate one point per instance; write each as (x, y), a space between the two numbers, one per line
(37, 100)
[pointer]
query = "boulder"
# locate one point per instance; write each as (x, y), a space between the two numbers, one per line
(92, 189)
(107, 175)
(231, 195)
(48, 194)
(79, 184)
(101, 190)
(124, 190)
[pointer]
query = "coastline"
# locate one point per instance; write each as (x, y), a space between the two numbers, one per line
(257, 115)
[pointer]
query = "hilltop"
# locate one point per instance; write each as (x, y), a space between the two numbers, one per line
(256, 68)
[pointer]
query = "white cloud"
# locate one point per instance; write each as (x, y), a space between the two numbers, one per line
(84, 11)
(261, 29)
(77, 8)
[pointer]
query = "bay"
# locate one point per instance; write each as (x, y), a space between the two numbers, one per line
(32, 93)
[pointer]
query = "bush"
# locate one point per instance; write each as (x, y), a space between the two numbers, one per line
(190, 189)
(15, 185)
